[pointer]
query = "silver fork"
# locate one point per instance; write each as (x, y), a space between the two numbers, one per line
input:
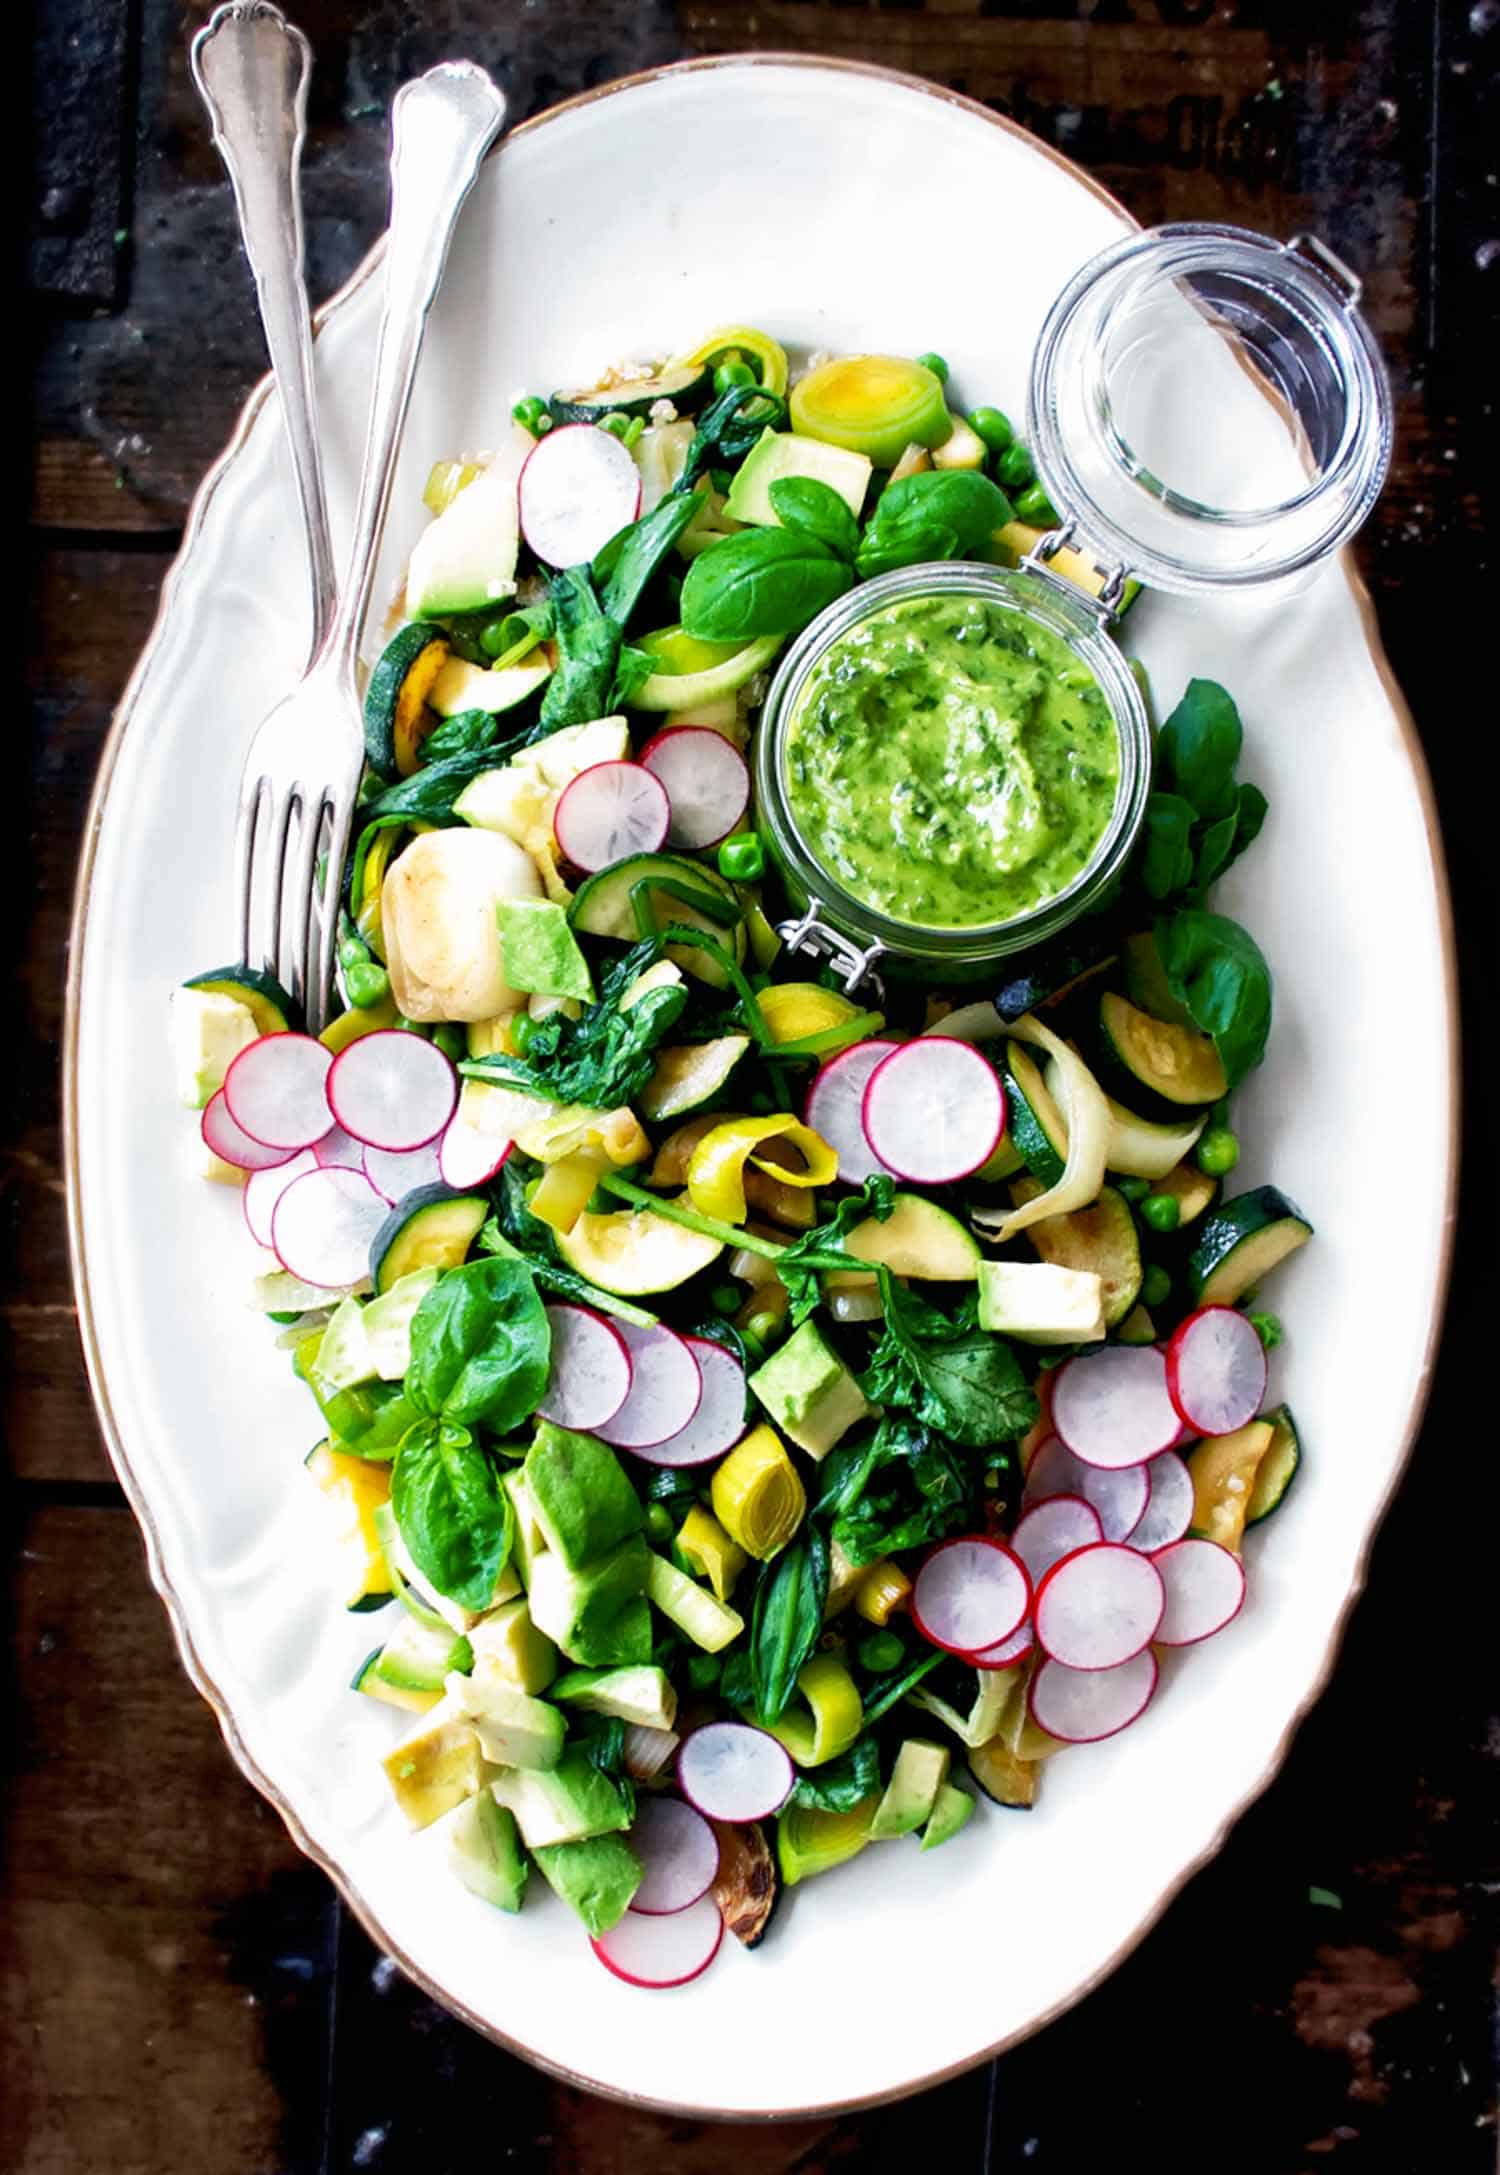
(298, 792)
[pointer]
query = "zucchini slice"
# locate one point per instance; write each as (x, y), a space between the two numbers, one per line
(1004, 1778)
(1101, 1239)
(1054, 971)
(409, 1670)
(1224, 1473)
(396, 712)
(687, 1076)
(1177, 1067)
(1193, 1191)
(687, 384)
(1137, 1327)
(604, 906)
(1033, 1123)
(1277, 1469)
(274, 1012)
(1242, 1241)
(431, 1229)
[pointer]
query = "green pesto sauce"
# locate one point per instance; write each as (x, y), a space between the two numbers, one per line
(951, 762)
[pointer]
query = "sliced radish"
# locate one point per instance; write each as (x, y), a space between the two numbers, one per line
(608, 813)
(396, 1172)
(276, 1090)
(706, 782)
(1205, 1590)
(1054, 1529)
(1216, 1371)
(393, 1089)
(591, 1370)
(1169, 1504)
(1117, 1497)
(1111, 1408)
(579, 487)
(662, 1951)
(1099, 1606)
(835, 1103)
(680, 1854)
(733, 1772)
(719, 1421)
(934, 1110)
(232, 1144)
(339, 1150)
(263, 1189)
(467, 1157)
(970, 1595)
(1008, 1652)
(323, 1224)
(666, 1389)
(1079, 1706)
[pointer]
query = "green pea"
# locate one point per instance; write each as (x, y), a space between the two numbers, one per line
(1034, 506)
(1155, 1285)
(1268, 1328)
(1014, 468)
(492, 637)
(936, 364)
(725, 1298)
(742, 858)
(731, 374)
(993, 427)
(366, 983)
(409, 1027)
(1161, 1211)
(881, 1651)
(353, 950)
(1218, 1152)
(632, 430)
(703, 1671)
(1134, 1189)
(659, 1526)
(451, 1040)
(764, 1328)
(523, 1032)
(533, 415)
(619, 426)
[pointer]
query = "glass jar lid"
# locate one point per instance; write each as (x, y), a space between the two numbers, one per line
(1207, 407)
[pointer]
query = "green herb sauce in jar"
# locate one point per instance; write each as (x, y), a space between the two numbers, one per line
(951, 762)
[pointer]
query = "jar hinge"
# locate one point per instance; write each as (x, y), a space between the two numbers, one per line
(1106, 601)
(811, 934)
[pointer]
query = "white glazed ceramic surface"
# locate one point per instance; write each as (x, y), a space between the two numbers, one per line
(840, 208)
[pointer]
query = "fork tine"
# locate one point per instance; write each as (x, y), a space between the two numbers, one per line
(312, 998)
(340, 823)
(277, 826)
(298, 863)
(252, 795)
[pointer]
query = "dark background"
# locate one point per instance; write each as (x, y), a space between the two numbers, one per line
(178, 1988)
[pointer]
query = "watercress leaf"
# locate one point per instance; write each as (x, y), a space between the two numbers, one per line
(603, 1058)
(787, 1619)
(876, 1197)
(1165, 849)
(1217, 970)
(588, 644)
(761, 581)
(480, 1346)
(841, 1784)
(453, 1514)
(1198, 747)
(801, 502)
(903, 1487)
(464, 734)
(959, 1379)
(628, 561)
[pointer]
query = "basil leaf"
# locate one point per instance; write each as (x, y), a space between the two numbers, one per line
(787, 1619)
(959, 1379)
(1198, 748)
(906, 540)
(454, 1516)
(841, 1784)
(801, 502)
(1250, 811)
(589, 650)
(762, 581)
(628, 561)
(1217, 970)
(1211, 856)
(926, 510)
(481, 1346)
(1166, 844)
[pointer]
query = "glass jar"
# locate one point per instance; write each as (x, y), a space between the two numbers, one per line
(1161, 470)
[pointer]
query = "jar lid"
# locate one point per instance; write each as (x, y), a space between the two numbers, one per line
(1208, 409)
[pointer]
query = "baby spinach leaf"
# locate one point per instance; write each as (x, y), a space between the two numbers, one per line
(802, 502)
(799, 1266)
(454, 1516)
(1218, 971)
(464, 734)
(480, 1346)
(1198, 748)
(728, 428)
(957, 1378)
(628, 561)
(761, 581)
(428, 795)
(588, 643)
(884, 1693)
(787, 1619)
(841, 1784)
(633, 670)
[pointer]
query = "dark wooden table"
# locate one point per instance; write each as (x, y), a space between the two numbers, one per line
(180, 1989)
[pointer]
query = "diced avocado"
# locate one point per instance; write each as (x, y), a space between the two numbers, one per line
(809, 1392)
(484, 1850)
(436, 1765)
(583, 1502)
(344, 1356)
(387, 1324)
(597, 1877)
(912, 1793)
(208, 1033)
(541, 952)
(566, 1804)
(810, 1841)
(507, 1642)
(963, 448)
(413, 1666)
(707, 1549)
(954, 1810)
(530, 1541)
(780, 454)
(460, 686)
(693, 1609)
(466, 559)
(644, 1695)
(514, 1730)
(917, 1239)
(596, 1615)
(1041, 1302)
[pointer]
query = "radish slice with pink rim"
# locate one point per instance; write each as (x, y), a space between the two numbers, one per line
(970, 1595)
(232, 1144)
(1008, 1652)
(579, 487)
(1205, 1590)
(1079, 1706)
(392, 1090)
(679, 1852)
(323, 1224)
(276, 1091)
(591, 1371)
(1117, 1498)
(263, 1189)
(706, 783)
(934, 1110)
(1099, 1606)
(1169, 1504)
(338, 1150)
(467, 1157)
(666, 1389)
(1112, 1408)
(396, 1172)
(663, 1951)
(1216, 1371)
(835, 1103)
(609, 812)
(719, 1421)
(1052, 1530)
(731, 1771)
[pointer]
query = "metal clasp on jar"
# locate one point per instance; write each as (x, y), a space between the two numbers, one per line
(809, 933)
(1105, 602)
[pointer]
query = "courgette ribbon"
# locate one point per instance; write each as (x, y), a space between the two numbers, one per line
(716, 1168)
(1088, 1121)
